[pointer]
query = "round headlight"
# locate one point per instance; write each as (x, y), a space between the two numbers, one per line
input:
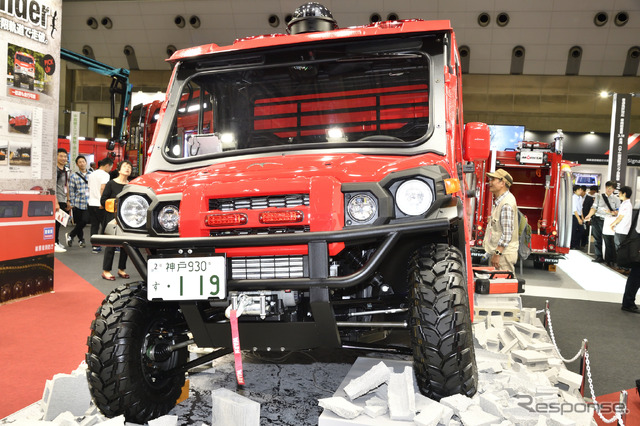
(133, 211)
(414, 197)
(169, 218)
(362, 207)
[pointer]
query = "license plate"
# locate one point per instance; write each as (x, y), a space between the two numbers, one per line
(187, 278)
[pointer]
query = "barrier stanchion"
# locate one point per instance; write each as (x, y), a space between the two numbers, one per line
(622, 408)
(583, 365)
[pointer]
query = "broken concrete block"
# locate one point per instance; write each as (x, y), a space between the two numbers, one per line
(229, 408)
(164, 421)
(429, 417)
(552, 374)
(559, 420)
(533, 360)
(545, 347)
(528, 315)
(401, 395)
(569, 381)
(492, 404)
(338, 405)
(374, 377)
(458, 403)
(375, 410)
(495, 321)
(491, 367)
(65, 419)
(522, 340)
(93, 419)
(529, 330)
(512, 345)
(480, 334)
(375, 407)
(65, 392)
(521, 416)
(475, 416)
(424, 403)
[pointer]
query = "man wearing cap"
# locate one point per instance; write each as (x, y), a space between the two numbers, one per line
(501, 239)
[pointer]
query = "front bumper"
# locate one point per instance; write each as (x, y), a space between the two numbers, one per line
(317, 242)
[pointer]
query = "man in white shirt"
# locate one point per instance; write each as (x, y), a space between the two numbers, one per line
(622, 224)
(578, 220)
(97, 181)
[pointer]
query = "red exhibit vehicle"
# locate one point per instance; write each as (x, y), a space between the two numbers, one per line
(94, 150)
(542, 187)
(24, 67)
(26, 256)
(21, 123)
(301, 190)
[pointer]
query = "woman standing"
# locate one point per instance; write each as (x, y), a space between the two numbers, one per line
(111, 190)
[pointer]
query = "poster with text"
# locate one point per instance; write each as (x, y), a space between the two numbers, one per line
(30, 47)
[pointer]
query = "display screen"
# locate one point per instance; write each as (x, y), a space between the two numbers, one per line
(504, 138)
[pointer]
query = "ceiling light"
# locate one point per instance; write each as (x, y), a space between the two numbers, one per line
(92, 22)
(106, 22)
(179, 21)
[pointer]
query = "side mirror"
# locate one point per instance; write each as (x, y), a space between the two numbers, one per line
(476, 143)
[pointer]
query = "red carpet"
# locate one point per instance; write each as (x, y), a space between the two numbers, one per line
(633, 403)
(42, 336)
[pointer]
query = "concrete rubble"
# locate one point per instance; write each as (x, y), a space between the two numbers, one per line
(521, 381)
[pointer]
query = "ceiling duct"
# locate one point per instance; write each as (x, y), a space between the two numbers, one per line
(631, 64)
(465, 58)
(484, 19)
(88, 52)
(375, 17)
(600, 19)
(392, 16)
(517, 60)
(621, 18)
(130, 53)
(503, 19)
(573, 61)
(194, 21)
(273, 20)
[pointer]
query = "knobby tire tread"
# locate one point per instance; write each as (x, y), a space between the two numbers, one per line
(441, 333)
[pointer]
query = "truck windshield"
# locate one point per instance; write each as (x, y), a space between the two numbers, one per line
(340, 95)
(23, 58)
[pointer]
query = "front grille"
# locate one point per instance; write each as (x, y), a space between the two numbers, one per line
(259, 231)
(256, 203)
(246, 268)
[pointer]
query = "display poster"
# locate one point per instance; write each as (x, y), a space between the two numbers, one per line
(74, 140)
(620, 115)
(29, 91)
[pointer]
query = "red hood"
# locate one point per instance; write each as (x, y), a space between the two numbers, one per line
(342, 167)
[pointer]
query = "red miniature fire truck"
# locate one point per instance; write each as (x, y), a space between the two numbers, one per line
(543, 191)
(311, 183)
(21, 123)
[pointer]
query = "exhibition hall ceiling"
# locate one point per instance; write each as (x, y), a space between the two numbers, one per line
(555, 37)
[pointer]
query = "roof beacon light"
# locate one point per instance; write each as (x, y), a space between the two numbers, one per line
(311, 17)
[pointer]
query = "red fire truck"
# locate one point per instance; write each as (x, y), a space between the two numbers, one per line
(312, 180)
(21, 123)
(94, 150)
(23, 69)
(27, 263)
(543, 190)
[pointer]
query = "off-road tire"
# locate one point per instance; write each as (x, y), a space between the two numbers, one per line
(122, 379)
(441, 333)
(16, 80)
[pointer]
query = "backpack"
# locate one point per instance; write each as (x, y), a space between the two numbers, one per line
(524, 236)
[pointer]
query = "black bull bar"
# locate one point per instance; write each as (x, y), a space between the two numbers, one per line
(316, 241)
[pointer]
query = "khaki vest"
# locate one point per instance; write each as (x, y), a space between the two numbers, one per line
(494, 229)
